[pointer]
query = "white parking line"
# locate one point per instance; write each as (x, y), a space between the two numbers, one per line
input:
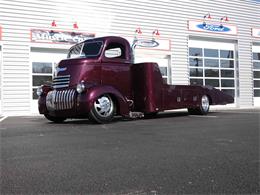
(240, 112)
(2, 119)
(203, 116)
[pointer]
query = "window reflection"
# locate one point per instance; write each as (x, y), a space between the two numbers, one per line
(196, 72)
(211, 63)
(195, 51)
(211, 72)
(227, 63)
(226, 54)
(211, 53)
(256, 56)
(196, 62)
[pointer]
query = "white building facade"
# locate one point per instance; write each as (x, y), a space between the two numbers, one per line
(201, 42)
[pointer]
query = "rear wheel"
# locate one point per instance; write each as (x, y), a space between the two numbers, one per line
(203, 109)
(103, 109)
(54, 119)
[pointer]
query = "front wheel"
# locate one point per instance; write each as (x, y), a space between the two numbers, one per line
(54, 119)
(203, 109)
(103, 109)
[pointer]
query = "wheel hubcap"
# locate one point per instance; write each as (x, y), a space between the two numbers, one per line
(104, 106)
(205, 103)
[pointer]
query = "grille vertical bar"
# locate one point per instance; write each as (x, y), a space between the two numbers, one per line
(61, 100)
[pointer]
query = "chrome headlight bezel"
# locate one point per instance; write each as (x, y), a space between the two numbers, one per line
(39, 91)
(80, 87)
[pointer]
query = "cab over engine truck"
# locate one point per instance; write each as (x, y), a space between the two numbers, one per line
(99, 80)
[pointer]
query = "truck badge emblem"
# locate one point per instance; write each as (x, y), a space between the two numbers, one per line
(57, 70)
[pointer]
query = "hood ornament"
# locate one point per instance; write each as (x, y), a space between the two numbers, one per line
(58, 69)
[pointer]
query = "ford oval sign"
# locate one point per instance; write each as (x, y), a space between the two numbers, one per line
(207, 27)
(213, 28)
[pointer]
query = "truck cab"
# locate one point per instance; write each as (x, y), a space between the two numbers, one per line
(99, 80)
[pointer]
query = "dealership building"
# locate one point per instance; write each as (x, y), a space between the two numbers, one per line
(197, 42)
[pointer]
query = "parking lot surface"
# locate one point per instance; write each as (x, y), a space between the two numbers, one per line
(172, 154)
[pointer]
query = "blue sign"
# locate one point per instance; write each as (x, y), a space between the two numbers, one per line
(213, 28)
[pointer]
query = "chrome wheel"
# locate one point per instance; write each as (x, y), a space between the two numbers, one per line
(205, 103)
(103, 109)
(104, 106)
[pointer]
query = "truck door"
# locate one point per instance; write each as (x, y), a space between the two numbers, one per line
(116, 69)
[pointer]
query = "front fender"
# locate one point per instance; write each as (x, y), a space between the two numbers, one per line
(94, 92)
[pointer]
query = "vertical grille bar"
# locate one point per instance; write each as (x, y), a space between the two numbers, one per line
(60, 100)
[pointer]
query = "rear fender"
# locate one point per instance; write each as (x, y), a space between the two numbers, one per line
(94, 92)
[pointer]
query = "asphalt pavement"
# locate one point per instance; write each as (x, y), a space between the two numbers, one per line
(172, 154)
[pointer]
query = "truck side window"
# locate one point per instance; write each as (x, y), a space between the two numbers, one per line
(115, 50)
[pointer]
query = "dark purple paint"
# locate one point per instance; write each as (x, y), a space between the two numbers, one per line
(134, 87)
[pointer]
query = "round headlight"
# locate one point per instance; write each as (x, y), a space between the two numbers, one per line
(39, 91)
(80, 87)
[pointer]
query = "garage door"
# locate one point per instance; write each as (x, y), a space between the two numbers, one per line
(256, 74)
(214, 64)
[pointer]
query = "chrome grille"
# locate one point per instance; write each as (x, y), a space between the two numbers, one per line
(60, 100)
(61, 81)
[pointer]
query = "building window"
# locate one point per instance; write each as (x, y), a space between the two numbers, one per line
(256, 71)
(41, 74)
(214, 67)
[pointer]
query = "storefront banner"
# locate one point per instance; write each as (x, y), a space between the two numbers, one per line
(223, 28)
(54, 36)
(151, 43)
(256, 32)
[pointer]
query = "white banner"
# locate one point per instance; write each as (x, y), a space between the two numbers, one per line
(221, 28)
(256, 32)
(54, 36)
(151, 44)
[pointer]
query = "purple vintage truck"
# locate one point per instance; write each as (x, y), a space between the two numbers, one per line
(99, 80)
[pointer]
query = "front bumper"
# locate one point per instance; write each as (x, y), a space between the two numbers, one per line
(64, 103)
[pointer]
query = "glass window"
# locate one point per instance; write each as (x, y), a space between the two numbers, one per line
(211, 53)
(212, 82)
(211, 73)
(42, 67)
(256, 56)
(211, 63)
(116, 47)
(91, 49)
(256, 65)
(196, 62)
(257, 83)
(196, 72)
(227, 63)
(196, 81)
(226, 54)
(113, 53)
(229, 92)
(75, 51)
(39, 80)
(195, 51)
(257, 93)
(214, 67)
(163, 71)
(227, 83)
(227, 73)
(257, 74)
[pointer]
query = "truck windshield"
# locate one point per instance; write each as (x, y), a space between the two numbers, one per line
(86, 50)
